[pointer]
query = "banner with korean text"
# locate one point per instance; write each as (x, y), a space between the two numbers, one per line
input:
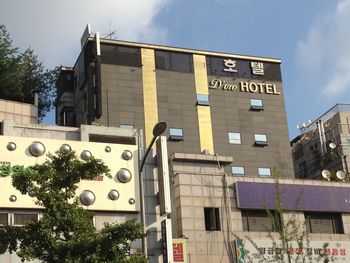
(258, 250)
(179, 250)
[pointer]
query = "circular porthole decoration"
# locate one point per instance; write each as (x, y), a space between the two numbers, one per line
(86, 155)
(65, 148)
(11, 146)
(113, 194)
(108, 149)
(87, 197)
(37, 149)
(31, 192)
(127, 155)
(13, 198)
(131, 201)
(124, 175)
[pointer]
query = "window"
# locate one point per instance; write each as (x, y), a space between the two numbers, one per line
(212, 219)
(256, 104)
(260, 139)
(202, 99)
(21, 218)
(121, 55)
(3, 219)
(18, 218)
(264, 172)
(234, 138)
(67, 117)
(328, 223)
(238, 170)
(259, 220)
(174, 61)
(302, 170)
(176, 134)
(126, 126)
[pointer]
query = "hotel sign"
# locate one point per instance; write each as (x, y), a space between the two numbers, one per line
(245, 86)
(7, 169)
(256, 67)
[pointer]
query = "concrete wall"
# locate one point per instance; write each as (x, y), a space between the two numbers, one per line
(200, 183)
(20, 113)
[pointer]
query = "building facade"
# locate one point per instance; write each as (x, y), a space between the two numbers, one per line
(219, 103)
(114, 199)
(322, 148)
(227, 133)
(214, 211)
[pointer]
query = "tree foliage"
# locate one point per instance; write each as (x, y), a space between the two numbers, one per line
(22, 75)
(66, 232)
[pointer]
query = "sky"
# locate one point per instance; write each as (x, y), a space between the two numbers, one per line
(310, 37)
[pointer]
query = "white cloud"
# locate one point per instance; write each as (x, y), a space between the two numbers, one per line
(53, 28)
(325, 54)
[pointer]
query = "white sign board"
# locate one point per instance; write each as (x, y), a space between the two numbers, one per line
(338, 251)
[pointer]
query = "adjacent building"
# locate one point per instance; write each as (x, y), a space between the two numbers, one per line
(112, 200)
(321, 150)
(20, 113)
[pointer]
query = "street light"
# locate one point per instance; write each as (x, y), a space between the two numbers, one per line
(158, 130)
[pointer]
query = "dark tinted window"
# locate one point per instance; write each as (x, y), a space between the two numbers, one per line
(21, 218)
(212, 219)
(120, 55)
(174, 61)
(259, 220)
(67, 117)
(328, 223)
(3, 219)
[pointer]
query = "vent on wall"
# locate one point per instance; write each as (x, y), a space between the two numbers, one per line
(112, 139)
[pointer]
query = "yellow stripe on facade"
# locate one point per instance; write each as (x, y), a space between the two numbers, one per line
(149, 92)
(204, 115)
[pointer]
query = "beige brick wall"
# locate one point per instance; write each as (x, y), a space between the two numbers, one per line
(20, 113)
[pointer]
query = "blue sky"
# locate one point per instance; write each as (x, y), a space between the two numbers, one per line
(311, 37)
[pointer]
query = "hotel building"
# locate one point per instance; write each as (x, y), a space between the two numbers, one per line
(213, 102)
(209, 179)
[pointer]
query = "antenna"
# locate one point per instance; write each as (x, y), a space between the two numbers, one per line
(340, 175)
(112, 34)
(326, 174)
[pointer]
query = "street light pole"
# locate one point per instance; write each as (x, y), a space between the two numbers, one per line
(158, 130)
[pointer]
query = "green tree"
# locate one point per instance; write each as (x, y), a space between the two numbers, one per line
(36, 79)
(66, 232)
(22, 75)
(10, 67)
